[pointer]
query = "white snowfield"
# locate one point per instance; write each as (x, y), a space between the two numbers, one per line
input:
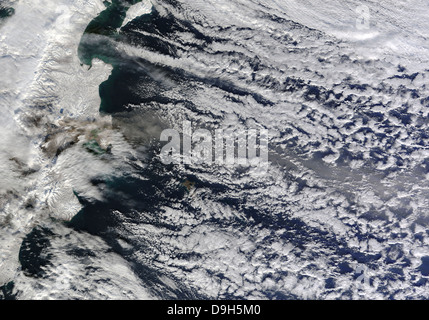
(42, 83)
(44, 90)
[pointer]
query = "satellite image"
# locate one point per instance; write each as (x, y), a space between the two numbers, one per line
(214, 150)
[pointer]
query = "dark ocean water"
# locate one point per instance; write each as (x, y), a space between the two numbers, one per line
(5, 12)
(130, 195)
